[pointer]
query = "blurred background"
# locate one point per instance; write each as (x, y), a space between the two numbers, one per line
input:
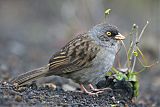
(32, 30)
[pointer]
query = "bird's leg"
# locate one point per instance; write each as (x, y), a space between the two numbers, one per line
(98, 90)
(86, 91)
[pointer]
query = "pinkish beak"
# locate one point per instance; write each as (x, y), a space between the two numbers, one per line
(119, 37)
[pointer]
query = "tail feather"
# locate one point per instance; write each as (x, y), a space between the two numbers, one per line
(30, 75)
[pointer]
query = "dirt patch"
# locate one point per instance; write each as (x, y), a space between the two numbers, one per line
(120, 96)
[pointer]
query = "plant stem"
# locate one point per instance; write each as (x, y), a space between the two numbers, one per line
(136, 44)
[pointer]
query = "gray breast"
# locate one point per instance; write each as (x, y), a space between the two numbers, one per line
(100, 65)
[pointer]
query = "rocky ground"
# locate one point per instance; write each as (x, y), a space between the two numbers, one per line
(121, 95)
(47, 95)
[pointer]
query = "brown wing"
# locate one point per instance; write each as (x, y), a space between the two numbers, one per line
(76, 55)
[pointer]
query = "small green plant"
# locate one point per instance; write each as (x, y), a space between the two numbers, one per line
(133, 54)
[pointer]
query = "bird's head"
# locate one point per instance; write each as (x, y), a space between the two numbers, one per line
(106, 34)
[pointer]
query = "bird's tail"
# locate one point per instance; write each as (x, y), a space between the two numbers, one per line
(30, 75)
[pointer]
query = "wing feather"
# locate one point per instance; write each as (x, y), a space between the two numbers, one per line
(77, 54)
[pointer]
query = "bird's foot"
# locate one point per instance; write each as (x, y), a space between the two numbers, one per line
(93, 93)
(97, 90)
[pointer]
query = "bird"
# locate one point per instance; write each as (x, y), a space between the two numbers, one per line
(85, 59)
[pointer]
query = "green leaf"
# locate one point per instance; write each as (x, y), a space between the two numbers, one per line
(109, 73)
(135, 53)
(121, 76)
(136, 88)
(114, 70)
(132, 77)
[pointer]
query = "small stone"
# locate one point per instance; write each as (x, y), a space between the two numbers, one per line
(18, 98)
(21, 89)
(67, 87)
(50, 86)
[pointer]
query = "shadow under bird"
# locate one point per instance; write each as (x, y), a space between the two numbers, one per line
(85, 59)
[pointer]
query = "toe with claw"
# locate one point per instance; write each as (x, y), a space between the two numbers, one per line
(95, 91)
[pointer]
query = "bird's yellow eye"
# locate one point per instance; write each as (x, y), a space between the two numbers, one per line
(109, 33)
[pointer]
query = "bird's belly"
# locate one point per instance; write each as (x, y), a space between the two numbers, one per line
(100, 65)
